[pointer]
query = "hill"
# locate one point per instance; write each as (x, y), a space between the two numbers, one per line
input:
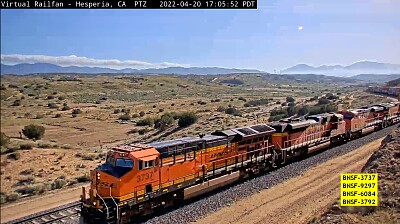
(376, 78)
(362, 67)
(24, 69)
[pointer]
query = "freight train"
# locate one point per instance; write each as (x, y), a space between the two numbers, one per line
(387, 90)
(138, 179)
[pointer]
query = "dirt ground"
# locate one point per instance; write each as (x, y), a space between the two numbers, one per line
(299, 199)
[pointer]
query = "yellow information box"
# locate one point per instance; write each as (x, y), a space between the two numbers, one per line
(359, 189)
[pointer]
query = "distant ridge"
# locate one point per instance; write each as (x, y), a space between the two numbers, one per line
(24, 69)
(362, 67)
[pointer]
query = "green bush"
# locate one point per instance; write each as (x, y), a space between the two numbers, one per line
(221, 109)
(259, 102)
(65, 107)
(125, 117)
(57, 116)
(58, 183)
(76, 111)
(323, 101)
(16, 103)
(4, 140)
(83, 178)
(61, 98)
(66, 146)
(290, 99)
(33, 131)
(242, 99)
(164, 122)
(26, 146)
(12, 197)
(117, 111)
(233, 111)
(50, 97)
(52, 105)
(142, 113)
(186, 119)
(145, 122)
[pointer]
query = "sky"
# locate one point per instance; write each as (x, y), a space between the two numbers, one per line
(278, 35)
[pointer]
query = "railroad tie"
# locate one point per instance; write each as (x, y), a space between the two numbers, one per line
(44, 219)
(53, 216)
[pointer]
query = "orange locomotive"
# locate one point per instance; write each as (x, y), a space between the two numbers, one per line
(137, 179)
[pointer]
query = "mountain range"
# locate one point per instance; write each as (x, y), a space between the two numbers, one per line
(362, 67)
(24, 69)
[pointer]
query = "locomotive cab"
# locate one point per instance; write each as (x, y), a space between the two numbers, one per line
(128, 172)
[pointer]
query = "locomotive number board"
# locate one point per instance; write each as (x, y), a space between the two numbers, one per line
(129, 4)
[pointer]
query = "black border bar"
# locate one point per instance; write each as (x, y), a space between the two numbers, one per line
(128, 4)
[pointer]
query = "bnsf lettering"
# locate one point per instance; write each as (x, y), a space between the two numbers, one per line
(352, 185)
(223, 153)
(144, 177)
(349, 177)
(349, 201)
(349, 194)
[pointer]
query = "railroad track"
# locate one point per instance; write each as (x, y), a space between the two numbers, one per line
(69, 213)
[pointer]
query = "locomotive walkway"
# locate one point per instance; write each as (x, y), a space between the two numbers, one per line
(299, 199)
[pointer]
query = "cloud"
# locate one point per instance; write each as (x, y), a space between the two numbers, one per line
(74, 60)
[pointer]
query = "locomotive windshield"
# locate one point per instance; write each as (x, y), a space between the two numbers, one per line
(116, 167)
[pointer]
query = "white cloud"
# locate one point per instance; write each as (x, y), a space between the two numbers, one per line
(74, 60)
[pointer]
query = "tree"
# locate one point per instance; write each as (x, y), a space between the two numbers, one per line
(125, 117)
(33, 131)
(323, 101)
(187, 119)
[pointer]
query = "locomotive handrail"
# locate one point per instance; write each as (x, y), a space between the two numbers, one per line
(104, 205)
(115, 204)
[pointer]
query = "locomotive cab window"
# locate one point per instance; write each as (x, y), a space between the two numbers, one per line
(147, 164)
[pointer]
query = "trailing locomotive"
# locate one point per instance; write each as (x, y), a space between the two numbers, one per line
(138, 179)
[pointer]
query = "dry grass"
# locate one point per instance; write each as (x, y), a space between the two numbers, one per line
(103, 99)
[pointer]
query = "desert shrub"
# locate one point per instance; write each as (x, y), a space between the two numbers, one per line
(259, 102)
(76, 111)
(125, 117)
(280, 112)
(33, 131)
(290, 99)
(3, 87)
(57, 116)
(201, 102)
(221, 109)
(39, 116)
(34, 189)
(13, 86)
(291, 104)
(31, 94)
(143, 131)
(142, 113)
(52, 105)
(14, 156)
(65, 107)
(145, 122)
(186, 119)
(275, 118)
(284, 104)
(323, 101)
(26, 146)
(172, 104)
(233, 111)
(117, 111)
(5, 150)
(125, 110)
(44, 145)
(61, 98)
(98, 102)
(50, 97)
(242, 99)
(12, 197)
(16, 103)
(160, 110)
(66, 146)
(233, 81)
(154, 106)
(4, 139)
(58, 183)
(83, 178)
(164, 122)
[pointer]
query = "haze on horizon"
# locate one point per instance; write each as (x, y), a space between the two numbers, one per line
(279, 34)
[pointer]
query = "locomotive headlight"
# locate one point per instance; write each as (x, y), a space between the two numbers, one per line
(98, 176)
(94, 203)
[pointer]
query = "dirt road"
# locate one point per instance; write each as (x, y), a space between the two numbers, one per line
(38, 204)
(299, 199)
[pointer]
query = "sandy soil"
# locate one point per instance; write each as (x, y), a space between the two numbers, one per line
(299, 199)
(38, 204)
